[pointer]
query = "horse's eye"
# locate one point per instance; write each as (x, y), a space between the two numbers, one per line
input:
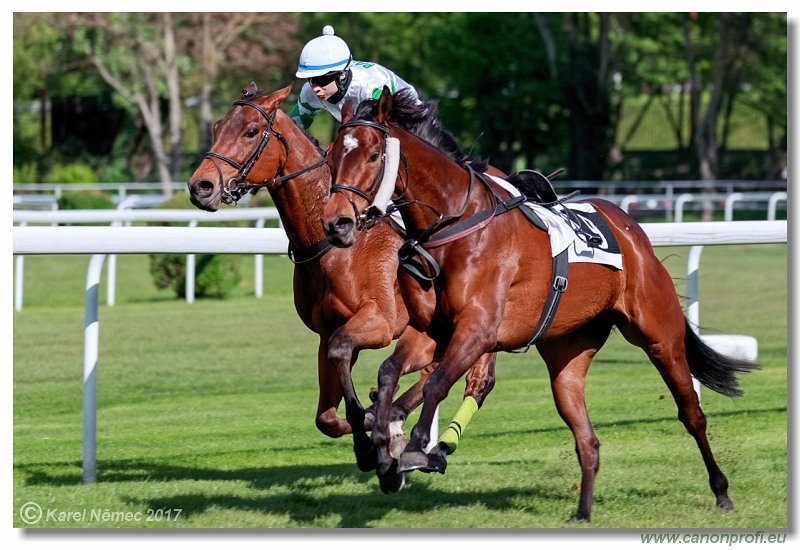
(374, 156)
(251, 132)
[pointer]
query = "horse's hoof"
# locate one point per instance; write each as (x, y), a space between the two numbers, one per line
(578, 518)
(398, 440)
(581, 516)
(369, 420)
(392, 482)
(397, 445)
(410, 461)
(437, 460)
(725, 503)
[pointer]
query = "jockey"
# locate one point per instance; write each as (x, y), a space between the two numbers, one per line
(333, 77)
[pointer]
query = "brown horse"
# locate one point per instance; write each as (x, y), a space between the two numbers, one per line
(351, 300)
(492, 270)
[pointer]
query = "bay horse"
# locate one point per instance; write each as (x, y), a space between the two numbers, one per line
(491, 268)
(351, 300)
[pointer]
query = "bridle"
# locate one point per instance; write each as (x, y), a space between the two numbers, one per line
(367, 218)
(445, 228)
(237, 187)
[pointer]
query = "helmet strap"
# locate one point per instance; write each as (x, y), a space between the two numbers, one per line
(342, 84)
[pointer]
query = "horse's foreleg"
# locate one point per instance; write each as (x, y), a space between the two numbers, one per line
(412, 353)
(480, 381)
(460, 355)
(330, 395)
(364, 330)
(389, 478)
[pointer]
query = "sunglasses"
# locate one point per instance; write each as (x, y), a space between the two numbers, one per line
(323, 80)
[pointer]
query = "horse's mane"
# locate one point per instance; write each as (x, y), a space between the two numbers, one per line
(420, 118)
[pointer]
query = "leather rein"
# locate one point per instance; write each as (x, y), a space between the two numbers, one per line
(444, 229)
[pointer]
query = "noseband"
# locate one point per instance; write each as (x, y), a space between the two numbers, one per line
(237, 187)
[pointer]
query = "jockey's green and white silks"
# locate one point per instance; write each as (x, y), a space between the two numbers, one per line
(367, 83)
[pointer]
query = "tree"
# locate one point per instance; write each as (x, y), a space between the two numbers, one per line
(730, 50)
(136, 55)
(45, 66)
(517, 88)
(225, 49)
(582, 63)
(491, 78)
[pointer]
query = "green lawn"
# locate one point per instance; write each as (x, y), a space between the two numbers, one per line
(205, 412)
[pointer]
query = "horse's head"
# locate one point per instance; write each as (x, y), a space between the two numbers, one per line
(242, 152)
(363, 163)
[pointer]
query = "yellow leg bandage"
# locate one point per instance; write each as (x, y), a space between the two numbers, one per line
(459, 423)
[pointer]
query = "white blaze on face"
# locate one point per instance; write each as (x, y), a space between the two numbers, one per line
(350, 143)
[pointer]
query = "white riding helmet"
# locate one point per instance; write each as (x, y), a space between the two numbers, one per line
(323, 54)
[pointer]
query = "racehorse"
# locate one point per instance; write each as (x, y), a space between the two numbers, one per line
(494, 272)
(351, 300)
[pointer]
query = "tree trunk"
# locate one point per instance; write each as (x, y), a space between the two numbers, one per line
(207, 88)
(175, 104)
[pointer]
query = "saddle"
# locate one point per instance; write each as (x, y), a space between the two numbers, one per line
(536, 186)
(538, 189)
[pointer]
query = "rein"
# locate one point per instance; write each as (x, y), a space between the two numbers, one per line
(445, 234)
(446, 228)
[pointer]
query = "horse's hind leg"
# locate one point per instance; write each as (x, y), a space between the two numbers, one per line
(568, 360)
(661, 336)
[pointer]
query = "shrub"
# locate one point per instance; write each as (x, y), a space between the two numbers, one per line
(74, 172)
(25, 173)
(85, 200)
(215, 274)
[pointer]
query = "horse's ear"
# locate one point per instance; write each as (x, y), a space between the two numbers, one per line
(277, 97)
(250, 90)
(214, 130)
(384, 105)
(347, 111)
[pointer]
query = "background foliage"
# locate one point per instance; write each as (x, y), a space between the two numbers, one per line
(579, 90)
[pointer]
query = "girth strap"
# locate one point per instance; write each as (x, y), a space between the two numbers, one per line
(557, 287)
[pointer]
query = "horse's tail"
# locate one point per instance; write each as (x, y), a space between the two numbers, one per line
(712, 369)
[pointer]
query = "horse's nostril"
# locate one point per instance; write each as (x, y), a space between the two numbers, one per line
(344, 226)
(202, 188)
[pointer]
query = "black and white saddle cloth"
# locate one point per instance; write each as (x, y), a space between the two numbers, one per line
(576, 227)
